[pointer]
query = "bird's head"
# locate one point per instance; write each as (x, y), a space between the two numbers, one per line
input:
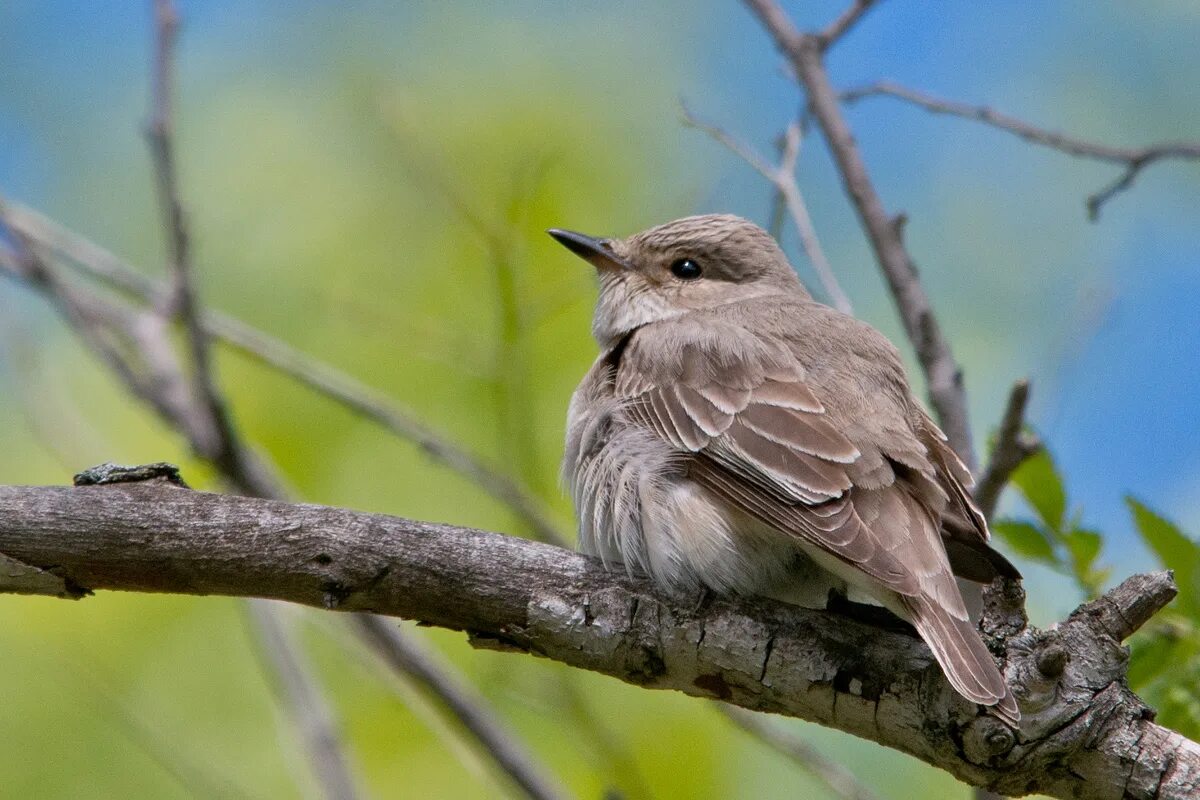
(691, 264)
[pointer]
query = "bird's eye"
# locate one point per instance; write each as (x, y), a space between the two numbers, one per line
(685, 269)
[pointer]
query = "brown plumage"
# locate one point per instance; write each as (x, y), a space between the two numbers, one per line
(737, 435)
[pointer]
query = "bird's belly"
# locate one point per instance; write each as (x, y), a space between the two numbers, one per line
(638, 508)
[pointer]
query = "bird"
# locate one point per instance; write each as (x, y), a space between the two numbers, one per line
(735, 436)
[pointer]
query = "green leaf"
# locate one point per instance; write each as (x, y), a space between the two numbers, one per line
(1027, 540)
(1174, 550)
(1040, 483)
(1084, 545)
(1149, 657)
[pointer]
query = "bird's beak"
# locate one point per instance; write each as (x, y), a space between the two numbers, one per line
(593, 251)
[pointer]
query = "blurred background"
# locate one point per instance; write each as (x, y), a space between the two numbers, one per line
(371, 182)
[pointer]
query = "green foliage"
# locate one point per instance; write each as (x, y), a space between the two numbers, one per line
(1173, 549)
(1053, 538)
(1165, 666)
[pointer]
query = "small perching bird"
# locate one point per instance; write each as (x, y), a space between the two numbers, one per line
(738, 436)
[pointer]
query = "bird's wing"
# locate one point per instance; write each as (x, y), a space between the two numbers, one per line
(831, 454)
(768, 439)
(965, 531)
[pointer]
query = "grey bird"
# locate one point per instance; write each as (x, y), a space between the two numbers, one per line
(737, 436)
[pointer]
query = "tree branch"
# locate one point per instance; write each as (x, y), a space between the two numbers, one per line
(842, 25)
(1082, 730)
(300, 698)
(942, 373)
(1133, 159)
(1013, 446)
(783, 178)
(215, 435)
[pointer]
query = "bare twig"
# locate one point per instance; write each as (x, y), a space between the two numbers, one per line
(108, 330)
(1133, 159)
(942, 373)
(299, 696)
(100, 264)
(215, 435)
(783, 178)
(404, 656)
(837, 779)
(1013, 446)
(842, 25)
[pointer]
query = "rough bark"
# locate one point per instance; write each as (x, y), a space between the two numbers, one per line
(1084, 733)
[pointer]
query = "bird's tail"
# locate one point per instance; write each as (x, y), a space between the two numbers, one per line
(963, 657)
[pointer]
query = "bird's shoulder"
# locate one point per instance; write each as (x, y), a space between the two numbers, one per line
(781, 338)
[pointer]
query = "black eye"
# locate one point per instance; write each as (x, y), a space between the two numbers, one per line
(685, 269)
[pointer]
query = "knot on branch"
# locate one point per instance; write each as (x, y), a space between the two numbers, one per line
(1121, 611)
(986, 738)
(109, 473)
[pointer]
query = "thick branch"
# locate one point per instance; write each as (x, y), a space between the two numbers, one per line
(1082, 731)
(1133, 159)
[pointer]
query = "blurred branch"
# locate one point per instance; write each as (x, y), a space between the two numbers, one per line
(403, 655)
(942, 373)
(838, 780)
(1133, 159)
(1085, 733)
(783, 178)
(842, 25)
(298, 695)
(214, 435)
(1013, 446)
(99, 264)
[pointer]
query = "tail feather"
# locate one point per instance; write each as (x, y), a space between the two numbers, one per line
(963, 657)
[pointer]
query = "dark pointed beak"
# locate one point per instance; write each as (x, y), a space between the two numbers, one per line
(594, 251)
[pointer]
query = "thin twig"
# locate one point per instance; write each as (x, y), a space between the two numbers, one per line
(942, 373)
(783, 178)
(298, 694)
(100, 264)
(842, 25)
(1013, 446)
(838, 780)
(218, 439)
(1133, 159)
(403, 655)
(106, 329)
